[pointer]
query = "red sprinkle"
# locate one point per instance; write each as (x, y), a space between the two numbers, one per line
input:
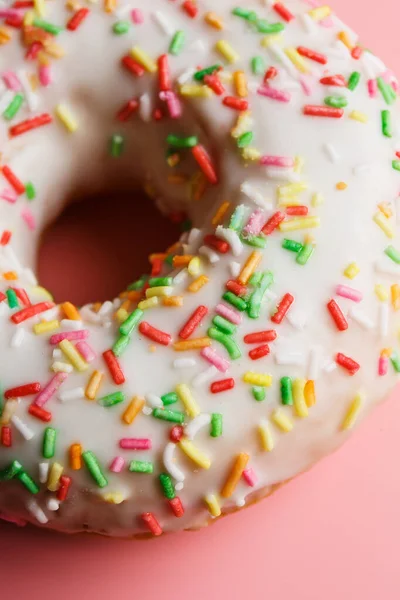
(176, 506)
(31, 311)
(33, 50)
(77, 19)
(40, 413)
(5, 237)
(260, 336)
(127, 110)
(65, 483)
(259, 352)
(347, 363)
(273, 222)
(214, 242)
(193, 322)
(205, 164)
(214, 82)
(133, 67)
(22, 296)
(23, 4)
(282, 309)
(2, 297)
(29, 124)
(323, 111)
(164, 77)
(337, 315)
(297, 211)
(13, 180)
(283, 11)
(14, 21)
(152, 524)
(337, 80)
(156, 335)
(176, 433)
(114, 367)
(236, 288)
(190, 8)
(156, 267)
(356, 53)
(312, 55)
(271, 73)
(235, 103)
(6, 437)
(222, 385)
(23, 390)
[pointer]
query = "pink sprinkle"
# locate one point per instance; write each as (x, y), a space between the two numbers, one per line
(273, 93)
(9, 195)
(45, 75)
(135, 443)
(349, 293)
(173, 103)
(306, 84)
(390, 77)
(5, 13)
(383, 365)
(50, 389)
(277, 161)
(137, 16)
(117, 464)
(87, 351)
(372, 88)
(229, 313)
(255, 223)
(11, 80)
(80, 334)
(28, 217)
(327, 22)
(215, 359)
(250, 477)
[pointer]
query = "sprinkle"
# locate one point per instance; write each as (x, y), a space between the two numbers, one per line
(93, 385)
(216, 360)
(299, 223)
(230, 345)
(156, 335)
(347, 363)
(66, 118)
(351, 270)
(205, 163)
(187, 399)
(282, 308)
(73, 355)
(23, 429)
(133, 409)
(111, 399)
(131, 322)
(337, 315)
(114, 367)
(151, 523)
(75, 457)
(22, 390)
(222, 385)
(213, 505)
(273, 93)
(286, 391)
(55, 473)
(143, 59)
(39, 413)
(226, 50)
(77, 19)
(323, 111)
(36, 511)
(386, 123)
(135, 444)
(193, 344)
(50, 389)
(194, 453)
(198, 283)
(356, 115)
(213, 20)
(353, 411)
(49, 442)
(282, 420)
(250, 266)
(234, 475)
(350, 293)
(141, 466)
(299, 402)
(177, 43)
(258, 379)
(395, 360)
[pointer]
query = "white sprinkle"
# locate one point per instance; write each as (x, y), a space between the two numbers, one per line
(278, 53)
(146, 410)
(74, 394)
(52, 504)
(234, 268)
(290, 358)
(255, 195)
(48, 315)
(5, 100)
(105, 309)
(61, 367)
(181, 277)
(307, 22)
(184, 363)
(337, 50)
(313, 363)
(169, 463)
(212, 256)
(31, 98)
(373, 66)
(145, 107)
(230, 236)
(282, 174)
(89, 316)
(361, 318)
(192, 429)
(154, 401)
(271, 296)
(329, 366)
(186, 75)
(122, 11)
(70, 325)
(362, 169)
(163, 22)
(332, 153)
(17, 338)
(204, 376)
(22, 427)
(179, 486)
(297, 318)
(43, 471)
(36, 511)
(194, 236)
(387, 268)
(57, 353)
(383, 319)
(197, 46)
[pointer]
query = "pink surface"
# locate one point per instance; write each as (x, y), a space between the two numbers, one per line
(333, 533)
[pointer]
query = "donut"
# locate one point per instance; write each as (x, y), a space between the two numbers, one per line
(261, 338)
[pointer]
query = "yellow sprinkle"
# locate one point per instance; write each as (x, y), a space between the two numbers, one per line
(172, 301)
(162, 290)
(29, 17)
(268, 40)
(9, 409)
(343, 36)
(121, 315)
(381, 292)
(384, 224)
(266, 439)
(93, 385)
(386, 209)
(149, 303)
(144, 59)
(292, 189)
(46, 326)
(309, 393)
(296, 59)
(187, 399)
(299, 402)
(194, 267)
(282, 420)
(213, 505)
(317, 199)
(224, 48)
(353, 411)
(341, 185)
(244, 123)
(53, 480)
(195, 91)
(299, 162)
(356, 115)
(133, 409)
(40, 7)
(193, 344)
(386, 352)
(198, 283)
(251, 154)
(114, 497)
(320, 12)
(250, 266)
(239, 79)
(55, 50)
(194, 454)
(289, 201)
(257, 378)
(351, 270)
(395, 296)
(299, 223)
(225, 76)
(213, 20)
(235, 474)
(70, 311)
(66, 118)
(73, 355)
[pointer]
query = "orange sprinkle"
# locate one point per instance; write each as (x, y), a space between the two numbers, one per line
(10, 275)
(199, 186)
(235, 474)
(70, 311)
(174, 248)
(250, 266)
(344, 38)
(386, 352)
(133, 409)
(94, 384)
(194, 344)
(177, 178)
(96, 306)
(132, 295)
(219, 215)
(110, 5)
(182, 261)
(341, 185)
(198, 283)
(395, 296)
(213, 20)
(75, 457)
(384, 207)
(5, 35)
(239, 79)
(172, 300)
(309, 393)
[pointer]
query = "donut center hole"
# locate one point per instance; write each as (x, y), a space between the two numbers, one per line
(96, 247)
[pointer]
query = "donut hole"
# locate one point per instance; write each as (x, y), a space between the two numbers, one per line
(101, 243)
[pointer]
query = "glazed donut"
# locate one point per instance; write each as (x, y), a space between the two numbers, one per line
(264, 334)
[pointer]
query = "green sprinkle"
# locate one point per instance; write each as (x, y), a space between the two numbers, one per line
(13, 107)
(28, 482)
(258, 295)
(237, 302)
(137, 285)
(286, 391)
(167, 486)
(199, 75)
(259, 393)
(177, 43)
(245, 139)
(169, 260)
(245, 13)
(46, 26)
(336, 101)
(12, 299)
(182, 142)
(292, 245)
(396, 165)
(305, 254)
(121, 344)
(392, 253)
(386, 123)
(224, 325)
(169, 398)
(354, 80)
(130, 322)
(94, 468)
(173, 416)
(388, 94)
(255, 279)
(256, 241)
(160, 281)
(11, 471)
(257, 65)
(30, 191)
(111, 399)
(141, 466)
(116, 145)
(237, 218)
(49, 442)
(121, 27)
(230, 344)
(265, 27)
(216, 425)
(395, 360)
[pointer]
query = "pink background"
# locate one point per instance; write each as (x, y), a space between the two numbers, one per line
(332, 533)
